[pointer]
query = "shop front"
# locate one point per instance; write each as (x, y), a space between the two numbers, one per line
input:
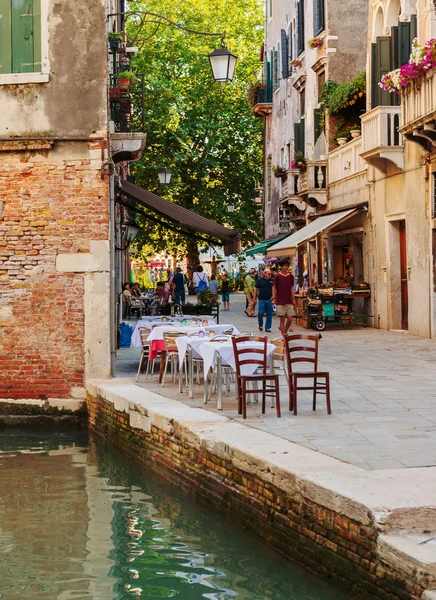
(327, 258)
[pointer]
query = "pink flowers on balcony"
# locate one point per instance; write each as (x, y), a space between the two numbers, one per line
(422, 59)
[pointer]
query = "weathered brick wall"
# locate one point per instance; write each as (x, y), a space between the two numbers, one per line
(53, 201)
(328, 543)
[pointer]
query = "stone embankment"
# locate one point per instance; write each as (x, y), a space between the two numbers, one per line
(368, 531)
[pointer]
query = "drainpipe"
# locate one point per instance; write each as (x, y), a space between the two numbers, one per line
(113, 291)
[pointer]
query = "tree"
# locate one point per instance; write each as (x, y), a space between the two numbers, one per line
(203, 131)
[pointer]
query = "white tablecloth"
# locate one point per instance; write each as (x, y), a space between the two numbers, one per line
(194, 342)
(158, 332)
(209, 350)
(152, 322)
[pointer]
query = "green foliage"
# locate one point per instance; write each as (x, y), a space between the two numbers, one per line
(126, 75)
(203, 131)
(338, 96)
(205, 298)
(115, 35)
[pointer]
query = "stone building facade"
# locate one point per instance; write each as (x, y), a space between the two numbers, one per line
(387, 174)
(54, 200)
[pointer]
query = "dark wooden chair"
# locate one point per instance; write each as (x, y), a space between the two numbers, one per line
(304, 349)
(270, 382)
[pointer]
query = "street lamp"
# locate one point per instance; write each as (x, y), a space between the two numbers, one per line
(230, 207)
(164, 176)
(131, 232)
(222, 63)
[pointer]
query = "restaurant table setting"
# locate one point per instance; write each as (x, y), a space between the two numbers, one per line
(170, 322)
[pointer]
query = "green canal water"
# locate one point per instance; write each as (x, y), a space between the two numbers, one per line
(79, 521)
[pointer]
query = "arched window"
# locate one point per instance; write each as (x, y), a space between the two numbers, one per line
(378, 23)
(393, 14)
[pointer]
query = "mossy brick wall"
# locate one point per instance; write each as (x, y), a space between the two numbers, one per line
(53, 201)
(327, 543)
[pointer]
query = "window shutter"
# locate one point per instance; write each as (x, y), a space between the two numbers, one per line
(302, 143)
(275, 70)
(268, 79)
(290, 43)
(285, 51)
(404, 42)
(300, 26)
(296, 137)
(374, 82)
(413, 29)
(5, 37)
(37, 64)
(317, 114)
(395, 57)
(383, 66)
(318, 17)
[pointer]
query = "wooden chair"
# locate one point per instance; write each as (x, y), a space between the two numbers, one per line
(304, 349)
(172, 354)
(270, 383)
(144, 332)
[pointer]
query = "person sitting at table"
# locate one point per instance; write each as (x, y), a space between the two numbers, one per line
(127, 300)
(160, 298)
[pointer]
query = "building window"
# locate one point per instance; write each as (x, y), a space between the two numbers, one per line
(299, 10)
(302, 103)
(318, 17)
(321, 82)
(20, 36)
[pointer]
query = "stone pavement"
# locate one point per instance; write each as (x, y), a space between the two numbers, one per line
(383, 388)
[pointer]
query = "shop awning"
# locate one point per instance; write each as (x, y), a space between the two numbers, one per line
(186, 221)
(261, 248)
(323, 223)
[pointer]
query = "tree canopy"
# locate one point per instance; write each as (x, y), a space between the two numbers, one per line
(203, 131)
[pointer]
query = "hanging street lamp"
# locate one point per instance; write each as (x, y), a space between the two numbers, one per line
(230, 207)
(222, 63)
(164, 176)
(131, 232)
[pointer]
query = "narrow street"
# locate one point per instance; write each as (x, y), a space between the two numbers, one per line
(383, 388)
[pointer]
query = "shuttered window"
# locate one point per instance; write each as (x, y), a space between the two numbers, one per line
(290, 43)
(285, 53)
(300, 26)
(275, 68)
(318, 17)
(317, 115)
(299, 138)
(20, 36)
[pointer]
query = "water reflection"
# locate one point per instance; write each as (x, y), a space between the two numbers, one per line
(78, 521)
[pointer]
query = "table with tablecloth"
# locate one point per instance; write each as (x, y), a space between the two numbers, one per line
(153, 322)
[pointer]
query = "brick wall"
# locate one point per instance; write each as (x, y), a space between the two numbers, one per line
(328, 543)
(53, 201)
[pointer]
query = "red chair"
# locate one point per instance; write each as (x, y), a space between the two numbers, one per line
(270, 382)
(305, 351)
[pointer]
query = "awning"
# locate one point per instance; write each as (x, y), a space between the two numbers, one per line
(186, 220)
(261, 248)
(323, 223)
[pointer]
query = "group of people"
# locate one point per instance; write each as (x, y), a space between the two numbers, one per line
(268, 291)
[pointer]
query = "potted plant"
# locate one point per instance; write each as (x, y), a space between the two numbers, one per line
(279, 171)
(295, 63)
(355, 131)
(115, 39)
(342, 137)
(299, 161)
(315, 42)
(125, 78)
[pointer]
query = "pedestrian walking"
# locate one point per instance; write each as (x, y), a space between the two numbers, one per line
(200, 279)
(178, 286)
(283, 297)
(250, 293)
(225, 292)
(264, 288)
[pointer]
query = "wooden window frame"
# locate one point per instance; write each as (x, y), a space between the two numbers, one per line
(42, 76)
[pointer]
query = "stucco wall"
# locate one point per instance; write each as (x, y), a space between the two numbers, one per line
(73, 102)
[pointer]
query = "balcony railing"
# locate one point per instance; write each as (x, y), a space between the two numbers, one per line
(312, 183)
(382, 143)
(262, 103)
(346, 161)
(418, 111)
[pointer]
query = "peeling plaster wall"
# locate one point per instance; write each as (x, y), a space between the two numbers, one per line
(73, 103)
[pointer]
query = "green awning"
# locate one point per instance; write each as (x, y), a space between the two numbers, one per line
(261, 248)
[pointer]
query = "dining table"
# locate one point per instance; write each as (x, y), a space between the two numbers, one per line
(219, 354)
(153, 322)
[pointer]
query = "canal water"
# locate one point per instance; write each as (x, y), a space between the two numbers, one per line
(79, 521)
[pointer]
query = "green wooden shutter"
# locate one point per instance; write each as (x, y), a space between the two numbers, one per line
(317, 114)
(413, 29)
(300, 26)
(22, 37)
(275, 59)
(290, 43)
(285, 52)
(5, 37)
(404, 42)
(268, 80)
(299, 137)
(302, 143)
(383, 66)
(395, 56)
(37, 64)
(374, 82)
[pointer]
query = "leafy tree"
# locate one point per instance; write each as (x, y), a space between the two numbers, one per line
(203, 131)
